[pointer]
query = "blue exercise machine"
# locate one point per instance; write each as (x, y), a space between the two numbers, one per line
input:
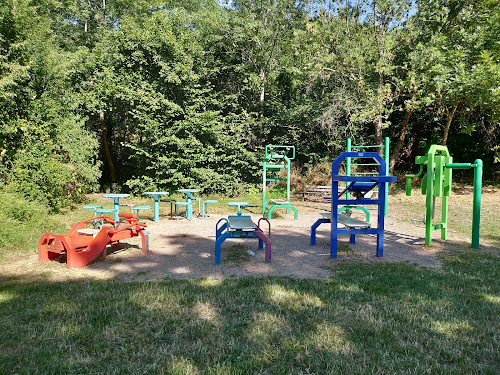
(358, 187)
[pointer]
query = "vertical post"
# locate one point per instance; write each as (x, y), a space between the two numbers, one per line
(347, 169)
(287, 181)
(476, 210)
(334, 220)
(117, 210)
(380, 223)
(334, 208)
(386, 159)
(264, 187)
(429, 199)
(157, 207)
(446, 190)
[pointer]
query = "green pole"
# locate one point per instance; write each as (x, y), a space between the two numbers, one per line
(386, 158)
(445, 190)
(476, 210)
(429, 199)
(287, 182)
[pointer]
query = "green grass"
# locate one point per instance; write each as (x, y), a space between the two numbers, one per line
(459, 213)
(367, 318)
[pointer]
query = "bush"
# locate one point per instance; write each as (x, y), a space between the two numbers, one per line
(23, 222)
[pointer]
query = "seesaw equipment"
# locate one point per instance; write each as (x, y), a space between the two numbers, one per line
(82, 244)
(357, 186)
(437, 183)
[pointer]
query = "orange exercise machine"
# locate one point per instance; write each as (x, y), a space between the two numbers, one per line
(82, 244)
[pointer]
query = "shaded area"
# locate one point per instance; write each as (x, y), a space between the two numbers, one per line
(384, 318)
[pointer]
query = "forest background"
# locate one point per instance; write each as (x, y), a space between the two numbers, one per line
(135, 95)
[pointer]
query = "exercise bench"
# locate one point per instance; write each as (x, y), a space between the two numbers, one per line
(240, 226)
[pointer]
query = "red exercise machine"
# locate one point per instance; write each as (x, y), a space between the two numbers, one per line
(82, 244)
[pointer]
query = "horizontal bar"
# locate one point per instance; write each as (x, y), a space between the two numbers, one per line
(459, 165)
(357, 205)
(359, 202)
(365, 164)
(363, 173)
(365, 178)
(371, 146)
(358, 231)
(438, 226)
(275, 166)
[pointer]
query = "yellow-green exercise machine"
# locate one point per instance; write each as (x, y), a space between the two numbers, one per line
(437, 183)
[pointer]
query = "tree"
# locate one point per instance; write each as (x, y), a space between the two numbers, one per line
(260, 31)
(358, 54)
(463, 39)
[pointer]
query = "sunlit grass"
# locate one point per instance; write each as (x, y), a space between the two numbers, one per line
(366, 318)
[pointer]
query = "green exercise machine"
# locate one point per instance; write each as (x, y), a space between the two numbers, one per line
(276, 159)
(437, 183)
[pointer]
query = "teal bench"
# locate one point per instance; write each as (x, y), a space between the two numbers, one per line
(138, 209)
(204, 207)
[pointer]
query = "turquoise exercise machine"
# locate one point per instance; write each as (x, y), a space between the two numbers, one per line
(276, 159)
(241, 226)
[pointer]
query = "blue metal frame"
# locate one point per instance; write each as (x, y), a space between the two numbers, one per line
(364, 183)
(225, 231)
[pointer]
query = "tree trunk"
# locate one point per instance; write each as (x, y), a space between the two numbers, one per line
(105, 146)
(378, 120)
(448, 122)
(401, 139)
(262, 86)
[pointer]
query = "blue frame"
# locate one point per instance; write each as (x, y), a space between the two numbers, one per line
(354, 182)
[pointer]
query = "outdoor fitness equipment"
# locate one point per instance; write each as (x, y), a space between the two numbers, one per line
(82, 244)
(437, 183)
(350, 172)
(277, 158)
(357, 186)
(240, 226)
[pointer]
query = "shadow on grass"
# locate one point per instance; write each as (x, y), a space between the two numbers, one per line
(384, 318)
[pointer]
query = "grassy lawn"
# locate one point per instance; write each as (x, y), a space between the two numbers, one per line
(366, 318)
(384, 318)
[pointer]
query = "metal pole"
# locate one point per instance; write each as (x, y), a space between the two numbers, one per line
(264, 187)
(428, 200)
(476, 210)
(288, 183)
(386, 158)
(347, 168)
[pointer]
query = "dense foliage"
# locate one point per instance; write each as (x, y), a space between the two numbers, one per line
(140, 94)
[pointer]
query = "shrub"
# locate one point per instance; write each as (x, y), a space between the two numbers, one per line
(23, 222)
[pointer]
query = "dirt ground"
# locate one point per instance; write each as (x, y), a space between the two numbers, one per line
(185, 250)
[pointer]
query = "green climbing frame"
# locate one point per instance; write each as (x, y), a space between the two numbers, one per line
(276, 159)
